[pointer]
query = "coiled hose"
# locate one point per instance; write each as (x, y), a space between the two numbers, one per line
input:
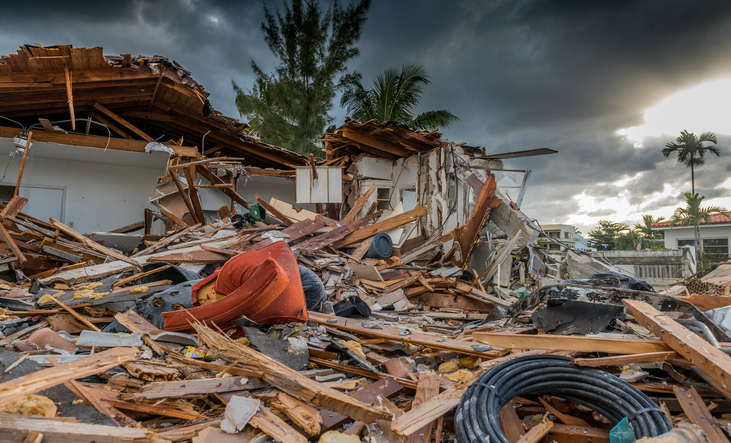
(476, 420)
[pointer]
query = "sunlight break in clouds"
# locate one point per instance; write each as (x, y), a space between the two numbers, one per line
(702, 108)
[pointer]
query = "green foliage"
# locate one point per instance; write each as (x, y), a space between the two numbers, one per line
(693, 214)
(393, 97)
(605, 234)
(290, 106)
(625, 241)
(691, 150)
(645, 231)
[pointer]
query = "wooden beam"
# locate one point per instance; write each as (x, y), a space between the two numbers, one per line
(216, 180)
(381, 145)
(381, 226)
(698, 413)
(359, 204)
(5, 235)
(402, 335)
(70, 97)
(22, 163)
(114, 128)
(76, 314)
(290, 381)
(571, 343)
(621, 360)
(13, 207)
(92, 244)
(688, 344)
(195, 199)
(538, 432)
(322, 240)
(439, 405)
(274, 211)
(177, 220)
(427, 388)
(15, 390)
(94, 141)
(184, 195)
(15, 428)
(123, 122)
(468, 235)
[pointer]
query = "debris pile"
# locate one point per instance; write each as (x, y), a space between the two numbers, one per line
(407, 302)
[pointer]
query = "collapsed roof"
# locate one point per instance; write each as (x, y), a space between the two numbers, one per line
(137, 98)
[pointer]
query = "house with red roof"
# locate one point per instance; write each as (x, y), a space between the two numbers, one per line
(715, 234)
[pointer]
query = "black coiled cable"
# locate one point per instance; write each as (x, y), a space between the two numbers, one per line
(477, 417)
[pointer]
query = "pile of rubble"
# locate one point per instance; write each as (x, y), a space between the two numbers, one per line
(92, 350)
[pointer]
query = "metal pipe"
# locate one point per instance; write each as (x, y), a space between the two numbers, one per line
(706, 331)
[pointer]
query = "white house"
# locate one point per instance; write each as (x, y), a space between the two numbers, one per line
(715, 235)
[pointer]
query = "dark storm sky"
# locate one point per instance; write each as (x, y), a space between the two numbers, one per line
(519, 74)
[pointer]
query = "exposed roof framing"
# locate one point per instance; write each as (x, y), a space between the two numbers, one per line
(138, 98)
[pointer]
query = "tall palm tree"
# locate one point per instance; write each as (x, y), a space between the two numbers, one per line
(692, 214)
(393, 97)
(645, 228)
(690, 150)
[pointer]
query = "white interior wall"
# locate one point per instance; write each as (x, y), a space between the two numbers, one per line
(96, 196)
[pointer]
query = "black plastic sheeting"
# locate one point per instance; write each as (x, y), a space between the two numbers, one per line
(564, 317)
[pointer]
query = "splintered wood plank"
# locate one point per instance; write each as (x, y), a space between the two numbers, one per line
(467, 235)
(302, 414)
(439, 405)
(22, 162)
(13, 207)
(382, 226)
(402, 335)
(194, 198)
(288, 380)
(88, 395)
(274, 211)
(571, 343)
(5, 235)
(538, 432)
(359, 204)
(275, 427)
(76, 314)
(14, 429)
(688, 344)
(184, 195)
(92, 244)
(336, 234)
(15, 390)
(165, 389)
(621, 360)
(697, 413)
(387, 388)
(138, 276)
(427, 388)
(510, 423)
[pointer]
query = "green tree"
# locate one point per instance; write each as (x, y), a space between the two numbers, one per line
(645, 230)
(693, 214)
(312, 49)
(393, 97)
(626, 240)
(603, 237)
(691, 150)
(266, 116)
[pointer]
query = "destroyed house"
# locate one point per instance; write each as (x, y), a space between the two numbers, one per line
(103, 129)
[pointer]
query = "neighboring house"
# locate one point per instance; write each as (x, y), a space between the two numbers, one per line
(566, 234)
(582, 244)
(714, 235)
(106, 128)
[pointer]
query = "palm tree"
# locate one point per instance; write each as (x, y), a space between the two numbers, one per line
(645, 228)
(690, 150)
(393, 97)
(692, 214)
